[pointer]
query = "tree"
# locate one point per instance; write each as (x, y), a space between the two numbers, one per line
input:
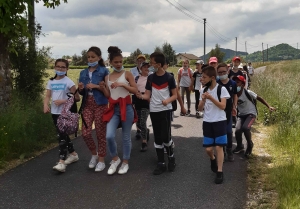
(216, 52)
(13, 25)
(158, 49)
(170, 54)
(132, 58)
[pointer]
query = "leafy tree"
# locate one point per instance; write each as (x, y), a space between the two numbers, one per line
(132, 58)
(170, 54)
(158, 49)
(84, 59)
(216, 52)
(76, 59)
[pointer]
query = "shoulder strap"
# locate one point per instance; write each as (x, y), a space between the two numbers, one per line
(136, 78)
(190, 72)
(205, 89)
(219, 89)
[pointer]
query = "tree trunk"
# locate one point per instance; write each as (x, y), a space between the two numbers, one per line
(5, 74)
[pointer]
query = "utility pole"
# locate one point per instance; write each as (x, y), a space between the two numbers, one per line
(262, 46)
(204, 38)
(267, 52)
(235, 46)
(297, 45)
(246, 46)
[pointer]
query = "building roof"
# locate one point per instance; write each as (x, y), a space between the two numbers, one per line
(188, 56)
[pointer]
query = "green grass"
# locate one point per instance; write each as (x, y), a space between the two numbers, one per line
(279, 86)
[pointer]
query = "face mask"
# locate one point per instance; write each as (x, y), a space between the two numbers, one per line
(218, 77)
(115, 69)
(92, 64)
(238, 89)
(223, 77)
(152, 69)
(208, 84)
(59, 73)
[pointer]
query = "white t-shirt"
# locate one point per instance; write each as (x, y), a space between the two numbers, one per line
(185, 80)
(245, 106)
(59, 90)
(211, 112)
(141, 83)
(250, 70)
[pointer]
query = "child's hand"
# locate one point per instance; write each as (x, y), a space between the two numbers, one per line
(80, 86)
(272, 109)
(116, 84)
(102, 86)
(46, 109)
(207, 95)
(183, 110)
(59, 102)
(234, 112)
(165, 102)
(91, 86)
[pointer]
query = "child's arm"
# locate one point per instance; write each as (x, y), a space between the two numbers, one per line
(178, 77)
(170, 99)
(235, 99)
(179, 99)
(145, 96)
(192, 88)
(76, 96)
(132, 88)
(265, 103)
(104, 88)
(202, 102)
(46, 101)
(221, 105)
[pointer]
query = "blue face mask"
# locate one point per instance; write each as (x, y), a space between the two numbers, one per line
(218, 77)
(223, 77)
(59, 73)
(117, 69)
(152, 69)
(238, 89)
(92, 64)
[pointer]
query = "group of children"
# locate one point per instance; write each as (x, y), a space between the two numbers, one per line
(121, 98)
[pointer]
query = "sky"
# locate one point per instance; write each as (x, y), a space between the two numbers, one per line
(131, 24)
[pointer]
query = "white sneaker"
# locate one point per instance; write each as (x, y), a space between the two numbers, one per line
(113, 167)
(71, 159)
(201, 114)
(93, 161)
(100, 166)
(61, 167)
(124, 168)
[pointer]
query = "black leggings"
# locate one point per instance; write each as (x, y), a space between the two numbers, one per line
(243, 125)
(197, 97)
(65, 143)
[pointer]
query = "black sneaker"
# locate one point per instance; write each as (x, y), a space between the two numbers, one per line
(233, 125)
(219, 178)
(171, 164)
(238, 149)
(188, 113)
(230, 157)
(144, 147)
(148, 134)
(160, 168)
(249, 149)
(197, 114)
(138, 135)
(214, 165)
(182, 114)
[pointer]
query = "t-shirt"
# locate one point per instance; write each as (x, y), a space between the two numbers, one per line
(185, 80)
(211, 112)
(250, 70)
(141, 83)
(231, 88)
(232, 74)
(197, 75)
(159, 87)
(135, 72)
(245, 106)
(59, 90)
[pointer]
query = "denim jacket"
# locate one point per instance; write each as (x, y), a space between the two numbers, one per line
(97, 76)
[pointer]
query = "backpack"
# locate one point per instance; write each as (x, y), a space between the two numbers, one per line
(189, 72)
(228, 108)
(170, 76)
(251, 99)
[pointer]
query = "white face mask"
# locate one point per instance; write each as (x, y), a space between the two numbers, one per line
(223, 77)
(152, 69)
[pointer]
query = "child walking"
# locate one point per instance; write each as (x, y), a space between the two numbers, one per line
(57, 89)
(95, 93)
(196, 86)
(160, 85)
(214, 120)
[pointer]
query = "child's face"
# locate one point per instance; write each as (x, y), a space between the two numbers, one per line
(198, 67)
(239, 83)
(145, 70)
(93, 57)
(222, 71)
(61, 66)
(236, 63)
(117, 62)
(205, 78)
(185, 64)
(140, 61)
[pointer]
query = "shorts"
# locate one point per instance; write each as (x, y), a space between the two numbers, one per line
(214, 133)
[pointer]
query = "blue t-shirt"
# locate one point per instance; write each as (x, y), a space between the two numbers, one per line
(231, 88)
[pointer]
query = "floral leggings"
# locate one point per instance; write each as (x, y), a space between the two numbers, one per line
(93, 112)
(142, 121)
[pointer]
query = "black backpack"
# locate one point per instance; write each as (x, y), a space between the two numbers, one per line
(251, 99)
(228, 108)
(170, 76)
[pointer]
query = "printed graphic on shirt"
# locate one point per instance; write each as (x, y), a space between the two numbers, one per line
(58, 87)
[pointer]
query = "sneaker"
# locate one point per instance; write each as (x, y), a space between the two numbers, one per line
(165, 150)
(173, 145)
(249, 149)
(71, 159)
(61, 167)
(230, 157)
(113, 166)
(144, 147)
(188, 113)
(124, 168)
(181, 114)
(100, 166)
(219, 178)
(148, 134)
(238, 149)
(201, 114)
(214, 165)
(233, 125)
(93, 161)
(197, 114)
(160, 168)
(138, 135)
(171, 164)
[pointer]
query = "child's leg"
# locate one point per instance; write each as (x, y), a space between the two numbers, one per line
(111, 128)
(220, 157)
(100, 127)
(229, 134)
(126, 133)
(239, 132)
(143, 123)
(210, 152)
(182, 90)
(188, 97)
(63, 150)
(197, 97)
(220, 132)
(158, 131)
(166, 135)
(246, 127)
(89, 116)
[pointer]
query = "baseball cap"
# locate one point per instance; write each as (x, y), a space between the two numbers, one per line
(213, 59)
(144, 63)
(236, 58)
(200, 62)
(239, 77)
(240, 66)
(141, 56)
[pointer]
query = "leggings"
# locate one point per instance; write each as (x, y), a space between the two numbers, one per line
(65, 143)
(243, 125)
(142, 121)
(93, 112)
(197, 97)
(188, 96)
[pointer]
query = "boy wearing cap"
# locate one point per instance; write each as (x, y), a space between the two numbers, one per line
(214, 120)
(247, 114)
(213, 61)
(196, 85)
(139, 60)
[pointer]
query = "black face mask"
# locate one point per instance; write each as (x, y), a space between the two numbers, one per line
(208, 84)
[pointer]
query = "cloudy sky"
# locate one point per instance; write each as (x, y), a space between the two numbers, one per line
(132, 24)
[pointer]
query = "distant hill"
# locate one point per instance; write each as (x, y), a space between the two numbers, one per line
(275, 53)
(229, 54)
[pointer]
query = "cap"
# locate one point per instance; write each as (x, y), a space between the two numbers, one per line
(236, 58)
(141, 56)
(143, 64)
(239, 77)
(241, 66)
(213, 59)
(200, 62)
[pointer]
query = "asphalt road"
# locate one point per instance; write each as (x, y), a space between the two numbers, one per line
(35, 185)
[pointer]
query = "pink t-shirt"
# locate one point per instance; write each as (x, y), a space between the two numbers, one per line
(141, 83)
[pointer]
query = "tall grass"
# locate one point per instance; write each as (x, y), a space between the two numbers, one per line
(279, 85)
